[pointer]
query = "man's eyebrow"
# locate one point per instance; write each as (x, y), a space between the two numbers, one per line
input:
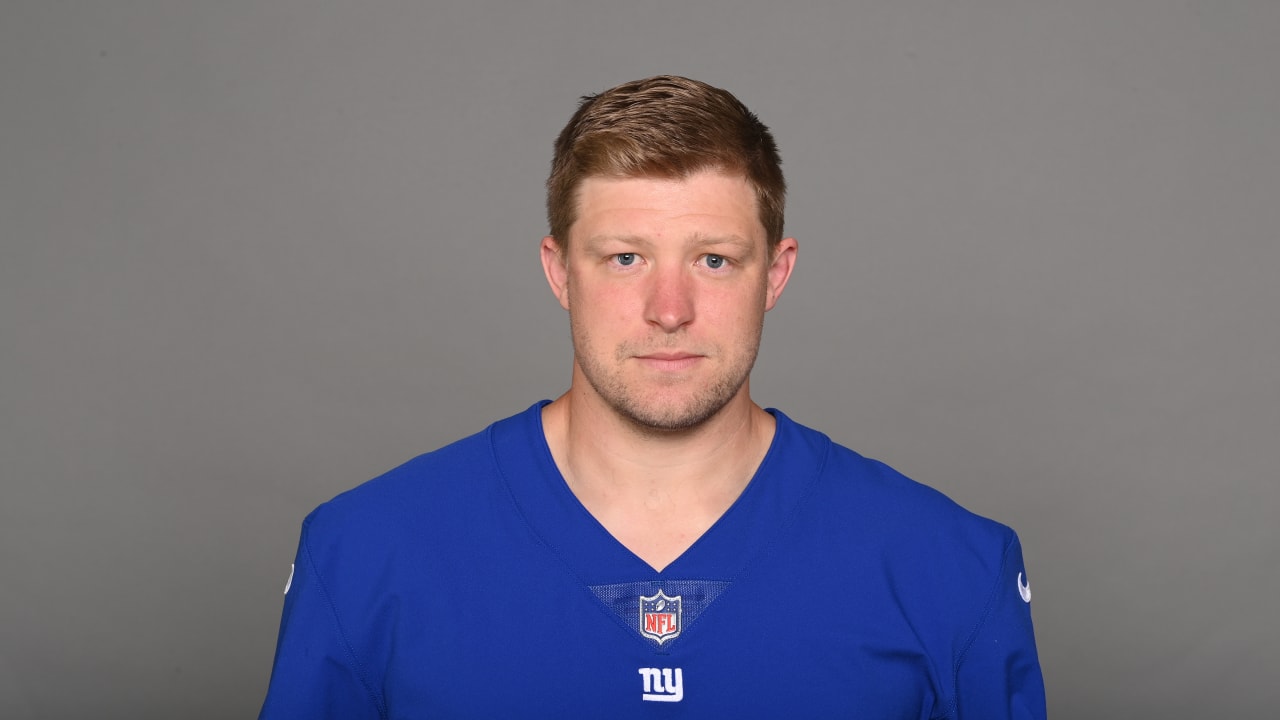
(595, 241)
(744, 245)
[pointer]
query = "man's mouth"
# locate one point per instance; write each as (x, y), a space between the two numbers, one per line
(669, 361)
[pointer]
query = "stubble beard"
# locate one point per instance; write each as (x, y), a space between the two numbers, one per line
(653, 412)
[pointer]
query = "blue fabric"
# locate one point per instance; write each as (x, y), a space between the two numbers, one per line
(470, 582)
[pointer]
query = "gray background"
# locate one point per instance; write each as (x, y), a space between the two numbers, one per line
(256, 253)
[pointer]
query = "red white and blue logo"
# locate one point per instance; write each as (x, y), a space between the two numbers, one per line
(660, 617)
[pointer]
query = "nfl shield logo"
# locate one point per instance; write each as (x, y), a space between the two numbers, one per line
(660, 617)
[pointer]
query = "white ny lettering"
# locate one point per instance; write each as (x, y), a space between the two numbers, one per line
(663, 684)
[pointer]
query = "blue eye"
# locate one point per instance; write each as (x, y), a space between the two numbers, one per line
(715, 262)
(625, 259)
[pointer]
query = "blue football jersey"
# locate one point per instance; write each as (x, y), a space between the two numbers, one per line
(471, 583)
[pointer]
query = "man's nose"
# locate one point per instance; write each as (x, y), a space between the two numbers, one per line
(670, 304)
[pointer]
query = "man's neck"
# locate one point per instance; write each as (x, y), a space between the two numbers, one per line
(656, 491)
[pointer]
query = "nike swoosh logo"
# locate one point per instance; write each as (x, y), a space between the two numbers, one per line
(1024, 590)
(289, 583)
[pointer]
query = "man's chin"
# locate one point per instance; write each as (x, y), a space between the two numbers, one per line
(670, 417)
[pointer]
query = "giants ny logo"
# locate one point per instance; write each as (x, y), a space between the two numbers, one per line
(663, 684)
(660, 617)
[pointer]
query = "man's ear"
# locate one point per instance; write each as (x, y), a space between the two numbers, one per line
(784, 261)
(556, 267)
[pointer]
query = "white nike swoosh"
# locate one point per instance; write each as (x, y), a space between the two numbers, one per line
(1024, 590)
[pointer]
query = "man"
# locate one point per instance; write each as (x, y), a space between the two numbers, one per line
(653, 543)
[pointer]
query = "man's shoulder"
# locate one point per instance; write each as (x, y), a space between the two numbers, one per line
(891, 502)
(943, 559)
(432, 483)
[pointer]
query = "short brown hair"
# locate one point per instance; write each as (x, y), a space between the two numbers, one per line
(664, 127)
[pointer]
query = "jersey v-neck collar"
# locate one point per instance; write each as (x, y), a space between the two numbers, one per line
(724, 552)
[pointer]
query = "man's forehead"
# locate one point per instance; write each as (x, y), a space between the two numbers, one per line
(728, 201)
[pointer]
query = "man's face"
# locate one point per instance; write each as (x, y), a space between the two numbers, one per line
(666, 283)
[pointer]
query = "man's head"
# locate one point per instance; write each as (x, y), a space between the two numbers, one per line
(664, 127)
(665, 202)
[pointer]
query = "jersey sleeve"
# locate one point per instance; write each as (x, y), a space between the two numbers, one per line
(998, 677)
(316, 673)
